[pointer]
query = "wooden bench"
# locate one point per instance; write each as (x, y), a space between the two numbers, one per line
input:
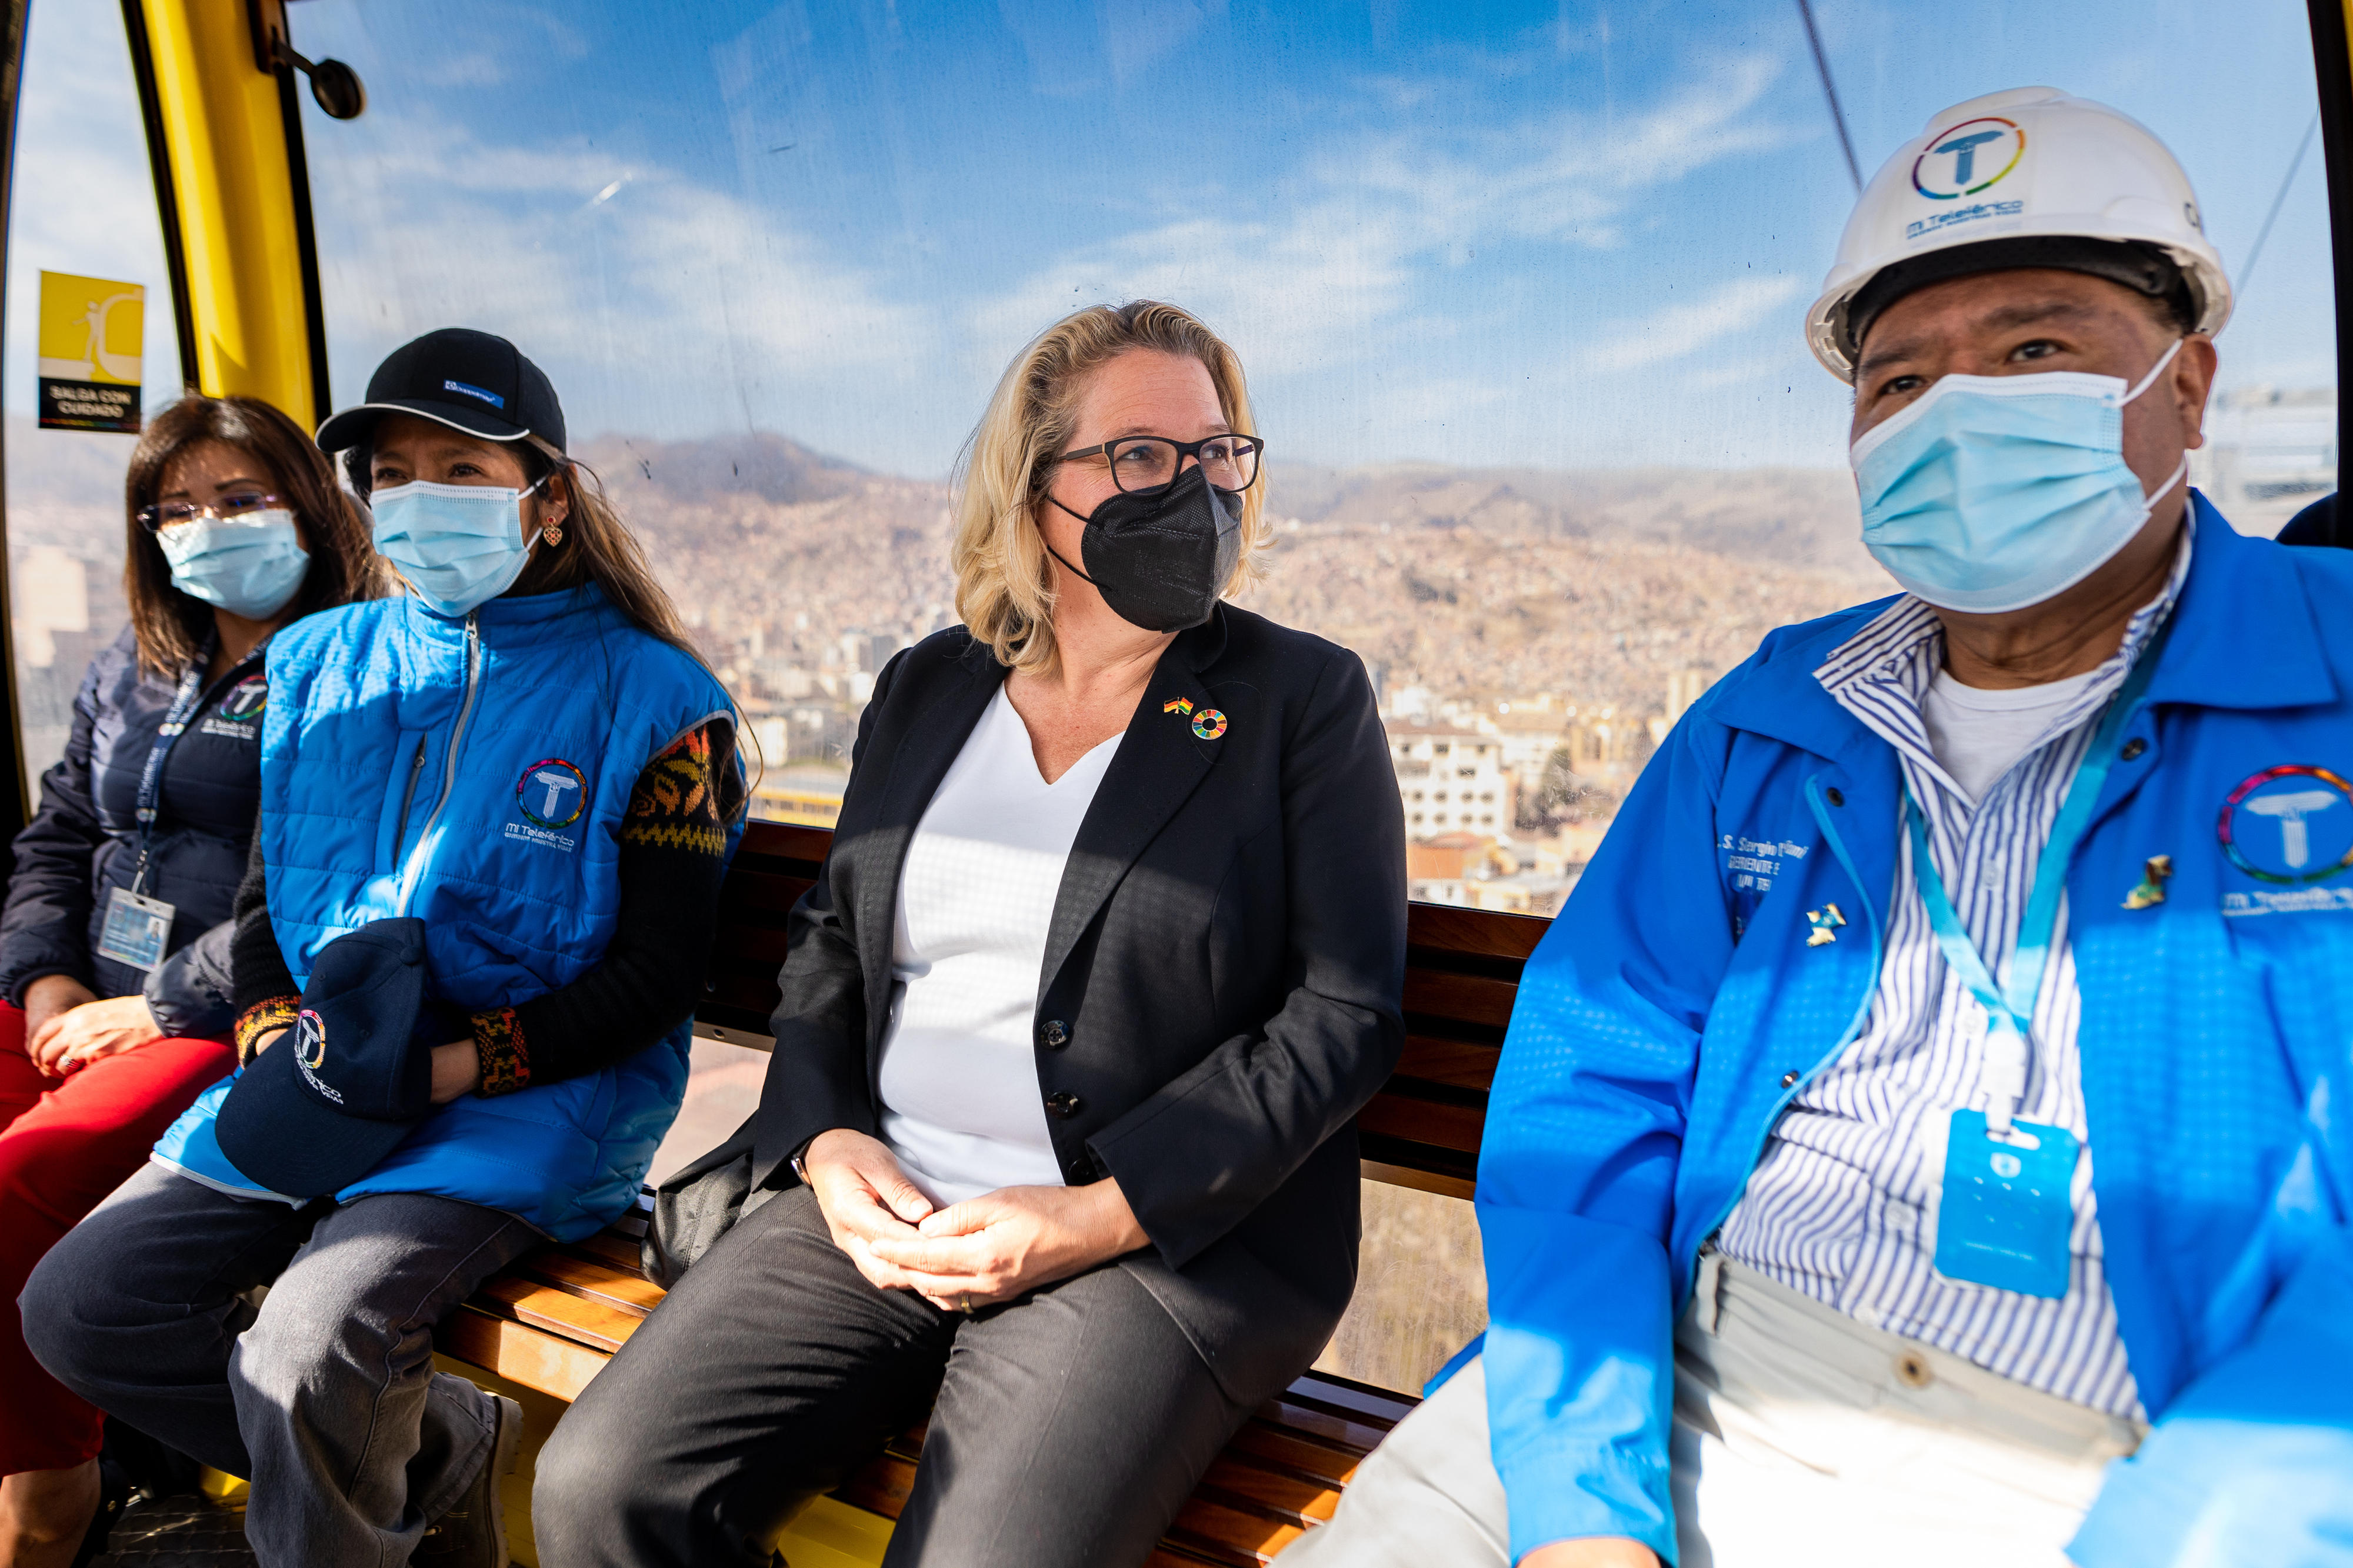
(551, 1321)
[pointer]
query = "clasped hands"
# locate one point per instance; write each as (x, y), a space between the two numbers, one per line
(66, 1028)
(976, 1252)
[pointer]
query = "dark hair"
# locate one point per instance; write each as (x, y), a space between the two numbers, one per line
(172, 625)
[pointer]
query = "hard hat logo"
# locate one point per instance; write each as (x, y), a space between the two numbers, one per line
(1966, 158)
(2102, 195)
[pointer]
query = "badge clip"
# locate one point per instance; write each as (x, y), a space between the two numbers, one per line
(1825, 921)
(2151, 891)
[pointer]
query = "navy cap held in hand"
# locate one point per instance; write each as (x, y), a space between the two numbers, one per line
(319, 1109)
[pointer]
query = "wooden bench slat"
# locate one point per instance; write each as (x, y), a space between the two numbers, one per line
(1442, 1126)
(1295, 1498)
(624, 1290)
(1462, 998)
(1228, 1534)
(561, 1312)
(1486, 932)
(1273, 1444)
(519, 1352)
(1461, 1063)
(785, 840)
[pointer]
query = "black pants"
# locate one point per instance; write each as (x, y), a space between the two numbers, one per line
(1070, 1425)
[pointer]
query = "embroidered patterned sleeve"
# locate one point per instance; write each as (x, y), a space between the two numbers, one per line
(673, 846)
(267, 996)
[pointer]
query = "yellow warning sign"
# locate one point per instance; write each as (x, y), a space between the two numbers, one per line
(92, 346)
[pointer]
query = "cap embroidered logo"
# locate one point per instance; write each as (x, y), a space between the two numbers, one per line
(311, 1039)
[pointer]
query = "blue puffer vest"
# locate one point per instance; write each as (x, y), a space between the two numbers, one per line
(475, 774)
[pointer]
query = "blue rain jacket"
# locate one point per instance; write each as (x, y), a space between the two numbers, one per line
(1675, 1009)
(475, 773)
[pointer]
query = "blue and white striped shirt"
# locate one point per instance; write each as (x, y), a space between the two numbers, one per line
(1843, 1205)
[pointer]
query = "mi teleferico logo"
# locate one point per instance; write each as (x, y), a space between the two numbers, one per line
(1962, 160)
(552, 793)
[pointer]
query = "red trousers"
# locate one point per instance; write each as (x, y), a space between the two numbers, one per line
(65, 1143)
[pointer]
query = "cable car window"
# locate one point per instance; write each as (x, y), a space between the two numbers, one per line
(83, 206)
(1519, 287)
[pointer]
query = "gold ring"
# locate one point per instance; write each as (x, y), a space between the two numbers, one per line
(967, 1301)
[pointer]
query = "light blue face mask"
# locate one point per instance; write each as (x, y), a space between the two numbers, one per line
(1994, 492)
(250, 565)
(458, 546)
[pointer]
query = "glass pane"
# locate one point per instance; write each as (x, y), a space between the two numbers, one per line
(1520, 290)
(83, 203)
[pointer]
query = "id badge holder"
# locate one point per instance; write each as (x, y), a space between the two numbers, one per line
(136, 929)
(2007, 1210)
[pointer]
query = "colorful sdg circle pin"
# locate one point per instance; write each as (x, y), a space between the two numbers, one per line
(1208, 723)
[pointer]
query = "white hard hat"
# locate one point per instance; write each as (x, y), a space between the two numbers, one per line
(2018, 174)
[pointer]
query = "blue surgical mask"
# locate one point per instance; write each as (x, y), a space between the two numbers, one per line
(458, 546)
(1994, 492)
(250, 565)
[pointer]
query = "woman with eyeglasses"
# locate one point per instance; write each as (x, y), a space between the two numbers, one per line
(114, 944)
(496, 812)
(1106, 956)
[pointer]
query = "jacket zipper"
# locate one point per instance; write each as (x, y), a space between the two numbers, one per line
(1855, 1027)
(408, 795)
(450, 769)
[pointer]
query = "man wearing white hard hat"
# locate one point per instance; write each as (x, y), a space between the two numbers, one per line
(1926, 1135)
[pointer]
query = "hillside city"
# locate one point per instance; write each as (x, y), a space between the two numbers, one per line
(1531, 634)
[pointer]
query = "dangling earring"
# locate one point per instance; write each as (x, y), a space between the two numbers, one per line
(553, 533)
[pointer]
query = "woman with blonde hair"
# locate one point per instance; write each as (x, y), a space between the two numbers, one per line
(1106, 956)
(495, 815)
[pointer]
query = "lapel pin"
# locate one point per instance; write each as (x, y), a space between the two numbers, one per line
(2151, 891)
(1825, 921)
(1178, 705)
(1208, 723)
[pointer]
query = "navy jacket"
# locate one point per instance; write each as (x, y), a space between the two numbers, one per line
(84, 841)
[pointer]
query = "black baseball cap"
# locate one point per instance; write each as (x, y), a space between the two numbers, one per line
(469, 381)
(323, 1107)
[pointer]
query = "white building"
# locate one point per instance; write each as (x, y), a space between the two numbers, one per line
(2270, 452)
(1451, 781)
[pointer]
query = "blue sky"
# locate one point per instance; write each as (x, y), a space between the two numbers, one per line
(1555, 234)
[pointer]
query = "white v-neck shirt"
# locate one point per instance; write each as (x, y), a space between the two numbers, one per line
(961, 1107)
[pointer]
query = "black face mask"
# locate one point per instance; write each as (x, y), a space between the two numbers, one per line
(1160, 560)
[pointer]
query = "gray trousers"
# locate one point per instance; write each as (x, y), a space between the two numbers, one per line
(325, 1397)
(1803, 1439)
(1070, 1424)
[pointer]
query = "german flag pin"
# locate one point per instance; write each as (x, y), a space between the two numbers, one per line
(1178, 705)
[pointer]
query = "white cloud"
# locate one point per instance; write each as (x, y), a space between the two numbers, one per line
(1323, 270)
(714, 307)
(1673, 331)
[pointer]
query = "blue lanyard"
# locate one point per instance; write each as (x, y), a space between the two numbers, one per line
(2010, 1009)
(168, 735)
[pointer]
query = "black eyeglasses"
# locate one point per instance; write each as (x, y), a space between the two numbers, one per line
(1149, 462)
(172, 513)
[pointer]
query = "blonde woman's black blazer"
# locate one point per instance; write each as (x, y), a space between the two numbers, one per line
(1221, 987)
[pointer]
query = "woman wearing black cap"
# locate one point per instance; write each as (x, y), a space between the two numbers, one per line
(523, 769)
